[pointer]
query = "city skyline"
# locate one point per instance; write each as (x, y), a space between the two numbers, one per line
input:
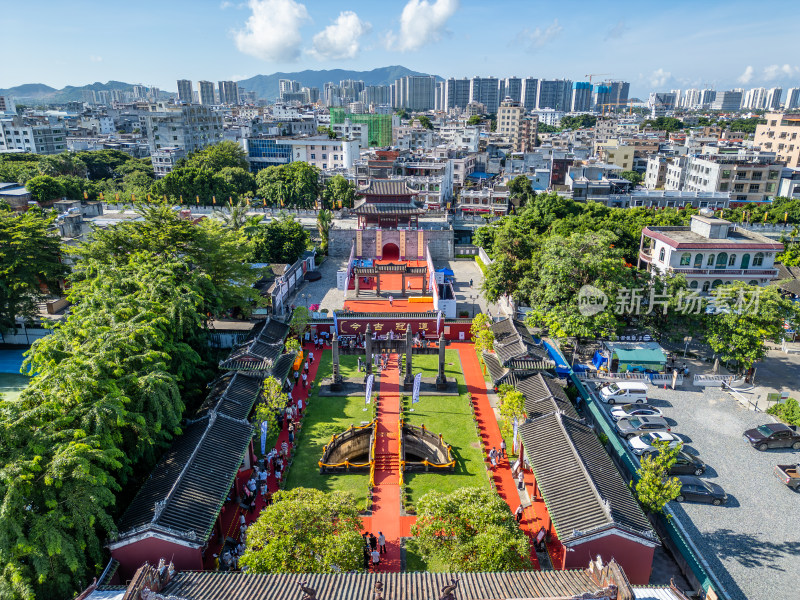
(653, 48)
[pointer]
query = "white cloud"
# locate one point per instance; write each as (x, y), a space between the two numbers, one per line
(225, 4)
(421, 22)
(340, 40)
(272, 32)
(660, 77)
(95, 58)
(746, 76)
(776, 71)
(617, 30)
(537, 38)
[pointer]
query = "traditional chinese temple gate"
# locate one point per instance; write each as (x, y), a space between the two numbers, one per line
(387, 275)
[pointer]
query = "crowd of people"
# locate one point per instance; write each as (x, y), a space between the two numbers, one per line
(373, 548)
(251, 494)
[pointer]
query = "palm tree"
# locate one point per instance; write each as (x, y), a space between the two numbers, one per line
(236, 218)
(324, 220)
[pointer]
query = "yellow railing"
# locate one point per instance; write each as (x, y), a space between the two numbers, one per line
(401, 463)
(347, 463)
(413, 299)
(372, 459)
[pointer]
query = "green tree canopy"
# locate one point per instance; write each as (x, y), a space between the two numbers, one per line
(474, 120)
(521, 190)
(632, 176)
(338, 189)
(746, 316)
(44, 188)
(108, 391)
(293, 185)
(471, 530)
(306, 531)
(30, 262)
(654, 487)
(578, 122)
(425, 121)
(281, 241)
(219, 156)
(668, 124)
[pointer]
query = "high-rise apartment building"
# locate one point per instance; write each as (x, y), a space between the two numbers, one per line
(377, 94)
(485, 90)
(792, 98)
(691, 98)
(512, 88)
(582, 96)
(228, 92)
(618, 93)
(206, 92)
(456, 93)
(190, 127)
(773, 101)
(555, 94)
(416, 92)
(529, 92)
(707, 96)
(727, 101)
(287, 86)
(139, 92)
(185, 93)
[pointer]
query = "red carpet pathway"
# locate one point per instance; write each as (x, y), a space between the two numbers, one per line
(535, 516)
(231, 511)
(386, 493)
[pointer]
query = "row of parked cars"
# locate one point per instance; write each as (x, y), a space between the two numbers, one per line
(643, 425)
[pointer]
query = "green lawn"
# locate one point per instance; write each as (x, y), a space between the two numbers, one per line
(452, 417)
(415, 562)
(324, 418)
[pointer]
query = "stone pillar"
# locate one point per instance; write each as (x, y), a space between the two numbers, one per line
(378, 284)
(356, 276)
(368, 358)
(403, 283)
(408, 382)
(441, 382)
(336, 377)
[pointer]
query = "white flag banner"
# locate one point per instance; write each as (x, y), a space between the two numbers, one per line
(514, 443)
(415, 393)
(264, 429)
(368, 395)
(438, 322)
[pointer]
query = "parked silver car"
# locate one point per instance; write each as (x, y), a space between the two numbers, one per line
(632, 426)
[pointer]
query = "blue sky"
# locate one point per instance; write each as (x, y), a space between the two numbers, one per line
(662, 45)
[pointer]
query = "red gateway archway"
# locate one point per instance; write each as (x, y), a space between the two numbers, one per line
(391, 252)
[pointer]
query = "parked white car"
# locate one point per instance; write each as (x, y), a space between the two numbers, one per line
(643, 444)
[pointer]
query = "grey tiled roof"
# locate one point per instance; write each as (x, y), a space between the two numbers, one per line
(185, 492)
(196, 585)
(512, 340)
(387, 187)
(387, 208)
(543, 396)
(582, 488)
(261, 348)
(233, 394)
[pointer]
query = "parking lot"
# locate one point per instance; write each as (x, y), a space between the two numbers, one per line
(753, 542)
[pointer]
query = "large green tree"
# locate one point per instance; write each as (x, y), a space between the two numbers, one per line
(339, 190)
(571, 270)
(745, 317)
(471, 529)
(306, 531)
(281, 241)
(108, 392)
(292, 185)
(30, 262)
(44, 188)
(654, 487)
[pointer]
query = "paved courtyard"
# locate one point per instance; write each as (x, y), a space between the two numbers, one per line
(753, 542)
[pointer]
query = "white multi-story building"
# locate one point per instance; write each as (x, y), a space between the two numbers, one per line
(549, 116)
(17, 135)
(164, 160)
(792, 98)
(747, 176)
(709, 253)
(319, 151)
(493, 201)
(98, 125)
(7, 105)
(189, 127)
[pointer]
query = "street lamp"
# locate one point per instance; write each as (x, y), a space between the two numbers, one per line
(473, 297)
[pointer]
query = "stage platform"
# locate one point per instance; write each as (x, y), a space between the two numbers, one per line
(381, 305)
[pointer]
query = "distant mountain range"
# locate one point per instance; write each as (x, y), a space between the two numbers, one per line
(265, 86)
(39, 92)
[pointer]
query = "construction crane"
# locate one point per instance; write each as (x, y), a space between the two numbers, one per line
(590, 75)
